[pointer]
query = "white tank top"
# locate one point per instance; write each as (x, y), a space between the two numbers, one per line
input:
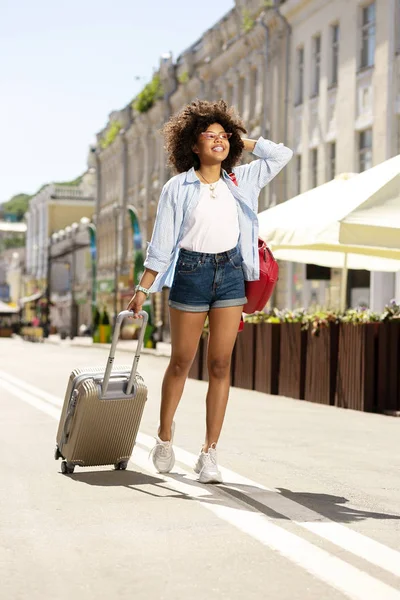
(213, 226)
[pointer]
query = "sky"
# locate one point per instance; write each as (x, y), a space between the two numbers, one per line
(64, 66)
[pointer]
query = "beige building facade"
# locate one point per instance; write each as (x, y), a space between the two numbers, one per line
(322, 76)
(345, 113)
(53, 208)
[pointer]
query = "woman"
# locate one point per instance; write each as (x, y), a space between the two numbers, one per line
(204, 247)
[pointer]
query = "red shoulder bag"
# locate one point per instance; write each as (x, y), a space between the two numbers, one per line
(259, 292)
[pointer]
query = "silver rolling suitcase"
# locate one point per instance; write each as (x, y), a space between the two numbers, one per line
(102, 411)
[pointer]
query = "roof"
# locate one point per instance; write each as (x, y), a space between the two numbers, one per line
(6, 309)
(11, 227)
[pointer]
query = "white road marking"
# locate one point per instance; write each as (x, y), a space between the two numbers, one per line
(29, 398)
(334, 571)
(374, 552)
(350, 580)
(31, 389)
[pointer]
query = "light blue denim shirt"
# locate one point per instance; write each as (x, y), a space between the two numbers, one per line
(180, 196)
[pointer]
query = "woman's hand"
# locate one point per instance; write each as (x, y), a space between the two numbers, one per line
(249, 145)
(136, 303)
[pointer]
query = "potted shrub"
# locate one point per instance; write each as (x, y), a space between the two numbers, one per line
(388, 385)
(322, 357)
(356, 381)
(96, 325)
(105, 328)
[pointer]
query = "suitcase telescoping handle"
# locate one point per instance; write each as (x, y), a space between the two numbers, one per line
(122, 315)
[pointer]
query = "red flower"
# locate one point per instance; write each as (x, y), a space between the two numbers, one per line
(233, 178)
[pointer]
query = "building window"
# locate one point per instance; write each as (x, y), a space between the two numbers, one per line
(300, 75)
(298, 174)
(335, 54)
(316, 65)
(314, 167)
(365, 150)
(332, 160)
(368, 36)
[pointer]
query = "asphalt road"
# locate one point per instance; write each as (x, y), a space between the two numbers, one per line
(310, 507)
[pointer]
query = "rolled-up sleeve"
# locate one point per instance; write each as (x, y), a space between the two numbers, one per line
(272, 158)
(162, 242)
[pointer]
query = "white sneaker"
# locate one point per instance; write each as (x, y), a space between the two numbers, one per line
(163, 453)
(207, 467)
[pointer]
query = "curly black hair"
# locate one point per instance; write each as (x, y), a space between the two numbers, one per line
(183, 129)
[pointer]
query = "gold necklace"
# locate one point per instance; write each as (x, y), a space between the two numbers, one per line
(212, 186)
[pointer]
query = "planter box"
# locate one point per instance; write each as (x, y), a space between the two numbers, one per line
(321, 367)
(105, 332)
(6, 331)
(388, 387)
(292, 366)
(196, 370)
(243, 358)
(356, 374)
(266, 360)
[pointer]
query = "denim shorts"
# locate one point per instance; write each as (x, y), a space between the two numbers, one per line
(204, 281)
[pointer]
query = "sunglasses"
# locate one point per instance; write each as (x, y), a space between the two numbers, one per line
(209, 135)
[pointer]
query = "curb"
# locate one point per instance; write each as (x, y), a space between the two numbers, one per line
(70, 343)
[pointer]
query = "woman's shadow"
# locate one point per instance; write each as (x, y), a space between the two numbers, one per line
(326, 505)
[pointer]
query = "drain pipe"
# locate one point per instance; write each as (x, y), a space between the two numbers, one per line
(265, 112)
(288, 36)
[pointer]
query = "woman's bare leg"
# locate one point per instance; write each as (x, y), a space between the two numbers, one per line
(186, 329)
(224, 324)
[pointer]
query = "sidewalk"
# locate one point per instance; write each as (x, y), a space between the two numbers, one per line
(163, 349)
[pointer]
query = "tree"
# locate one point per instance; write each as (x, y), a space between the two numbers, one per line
(17, 205)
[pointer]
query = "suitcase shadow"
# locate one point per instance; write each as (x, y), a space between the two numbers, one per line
(134, 480)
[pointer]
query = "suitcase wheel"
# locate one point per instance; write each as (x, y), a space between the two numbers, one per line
(57, 453)
(121, 466)
(67, 468)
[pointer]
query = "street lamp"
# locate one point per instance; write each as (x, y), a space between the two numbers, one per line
(117, 210)
(72, 231)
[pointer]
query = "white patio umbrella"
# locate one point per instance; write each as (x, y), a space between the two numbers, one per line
(376, 221)
(307, 228)
(6, 309)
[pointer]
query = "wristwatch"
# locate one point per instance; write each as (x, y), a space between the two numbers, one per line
(140, 288)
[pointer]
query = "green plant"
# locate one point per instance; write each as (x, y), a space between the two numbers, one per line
(151, 92)
(247, 21)
(96, 317)
(105, 320)
(298, 315)
(112, 131)
(320, 320)
(15, 241)
(269, 316)
(392, 311)
(183, 77)
(17, 205)
(74, 182)
(359, 316)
